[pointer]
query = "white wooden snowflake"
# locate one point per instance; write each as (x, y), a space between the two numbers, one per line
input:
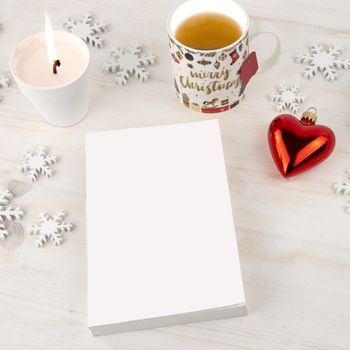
(4, 82)
(37, 163)
(130, 62)
(50, 228)
(343, 187)
(325, 59)
(347, 207)
(7, 213)
(287, 97)
(86, 28)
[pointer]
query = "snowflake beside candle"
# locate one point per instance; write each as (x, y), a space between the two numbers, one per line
(130, 62)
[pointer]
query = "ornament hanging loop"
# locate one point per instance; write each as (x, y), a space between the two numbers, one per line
(309, 117)
(312, 108)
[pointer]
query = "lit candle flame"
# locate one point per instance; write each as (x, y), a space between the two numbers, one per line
(50, 43)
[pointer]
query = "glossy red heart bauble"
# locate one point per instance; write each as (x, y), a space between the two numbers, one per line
(297, 145)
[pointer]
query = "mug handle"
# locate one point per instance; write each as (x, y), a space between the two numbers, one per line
(269, 62)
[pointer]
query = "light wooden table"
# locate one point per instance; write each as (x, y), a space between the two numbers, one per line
(293, 236)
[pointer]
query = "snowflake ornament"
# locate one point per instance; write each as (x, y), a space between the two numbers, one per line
(287, 97)
(325, 59)
(7, 214)
(37, 163)
(86, 28)
(127, 63)
(343, 187)
(4, 82)
(50, 228)
(347, 207)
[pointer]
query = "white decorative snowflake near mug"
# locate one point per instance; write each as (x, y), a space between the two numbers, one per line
(125, 63)
(324, 59)
(287, 97)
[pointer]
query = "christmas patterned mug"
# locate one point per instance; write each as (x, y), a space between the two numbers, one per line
(211, 81)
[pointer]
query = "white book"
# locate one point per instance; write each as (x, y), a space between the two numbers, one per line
(161, 239)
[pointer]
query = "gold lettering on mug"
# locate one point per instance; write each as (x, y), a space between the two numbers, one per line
(208, 87)
(211, 75)
(213, 86)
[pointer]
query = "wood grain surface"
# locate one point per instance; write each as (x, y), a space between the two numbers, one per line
(293, 236)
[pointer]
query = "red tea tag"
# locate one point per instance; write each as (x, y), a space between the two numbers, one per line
(248, 68)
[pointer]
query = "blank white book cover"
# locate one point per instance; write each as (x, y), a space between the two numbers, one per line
(161, 238)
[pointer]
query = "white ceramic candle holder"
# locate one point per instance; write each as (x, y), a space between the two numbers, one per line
(63, 98)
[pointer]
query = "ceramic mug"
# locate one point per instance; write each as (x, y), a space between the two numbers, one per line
(211, 81)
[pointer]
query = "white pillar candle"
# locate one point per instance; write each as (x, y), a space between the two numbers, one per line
(62, 98)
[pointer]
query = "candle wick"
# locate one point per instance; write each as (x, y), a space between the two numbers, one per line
(56, 63)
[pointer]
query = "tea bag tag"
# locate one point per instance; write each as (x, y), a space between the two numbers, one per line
(249, 68)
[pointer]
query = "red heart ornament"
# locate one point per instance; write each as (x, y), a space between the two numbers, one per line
(298, 145)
